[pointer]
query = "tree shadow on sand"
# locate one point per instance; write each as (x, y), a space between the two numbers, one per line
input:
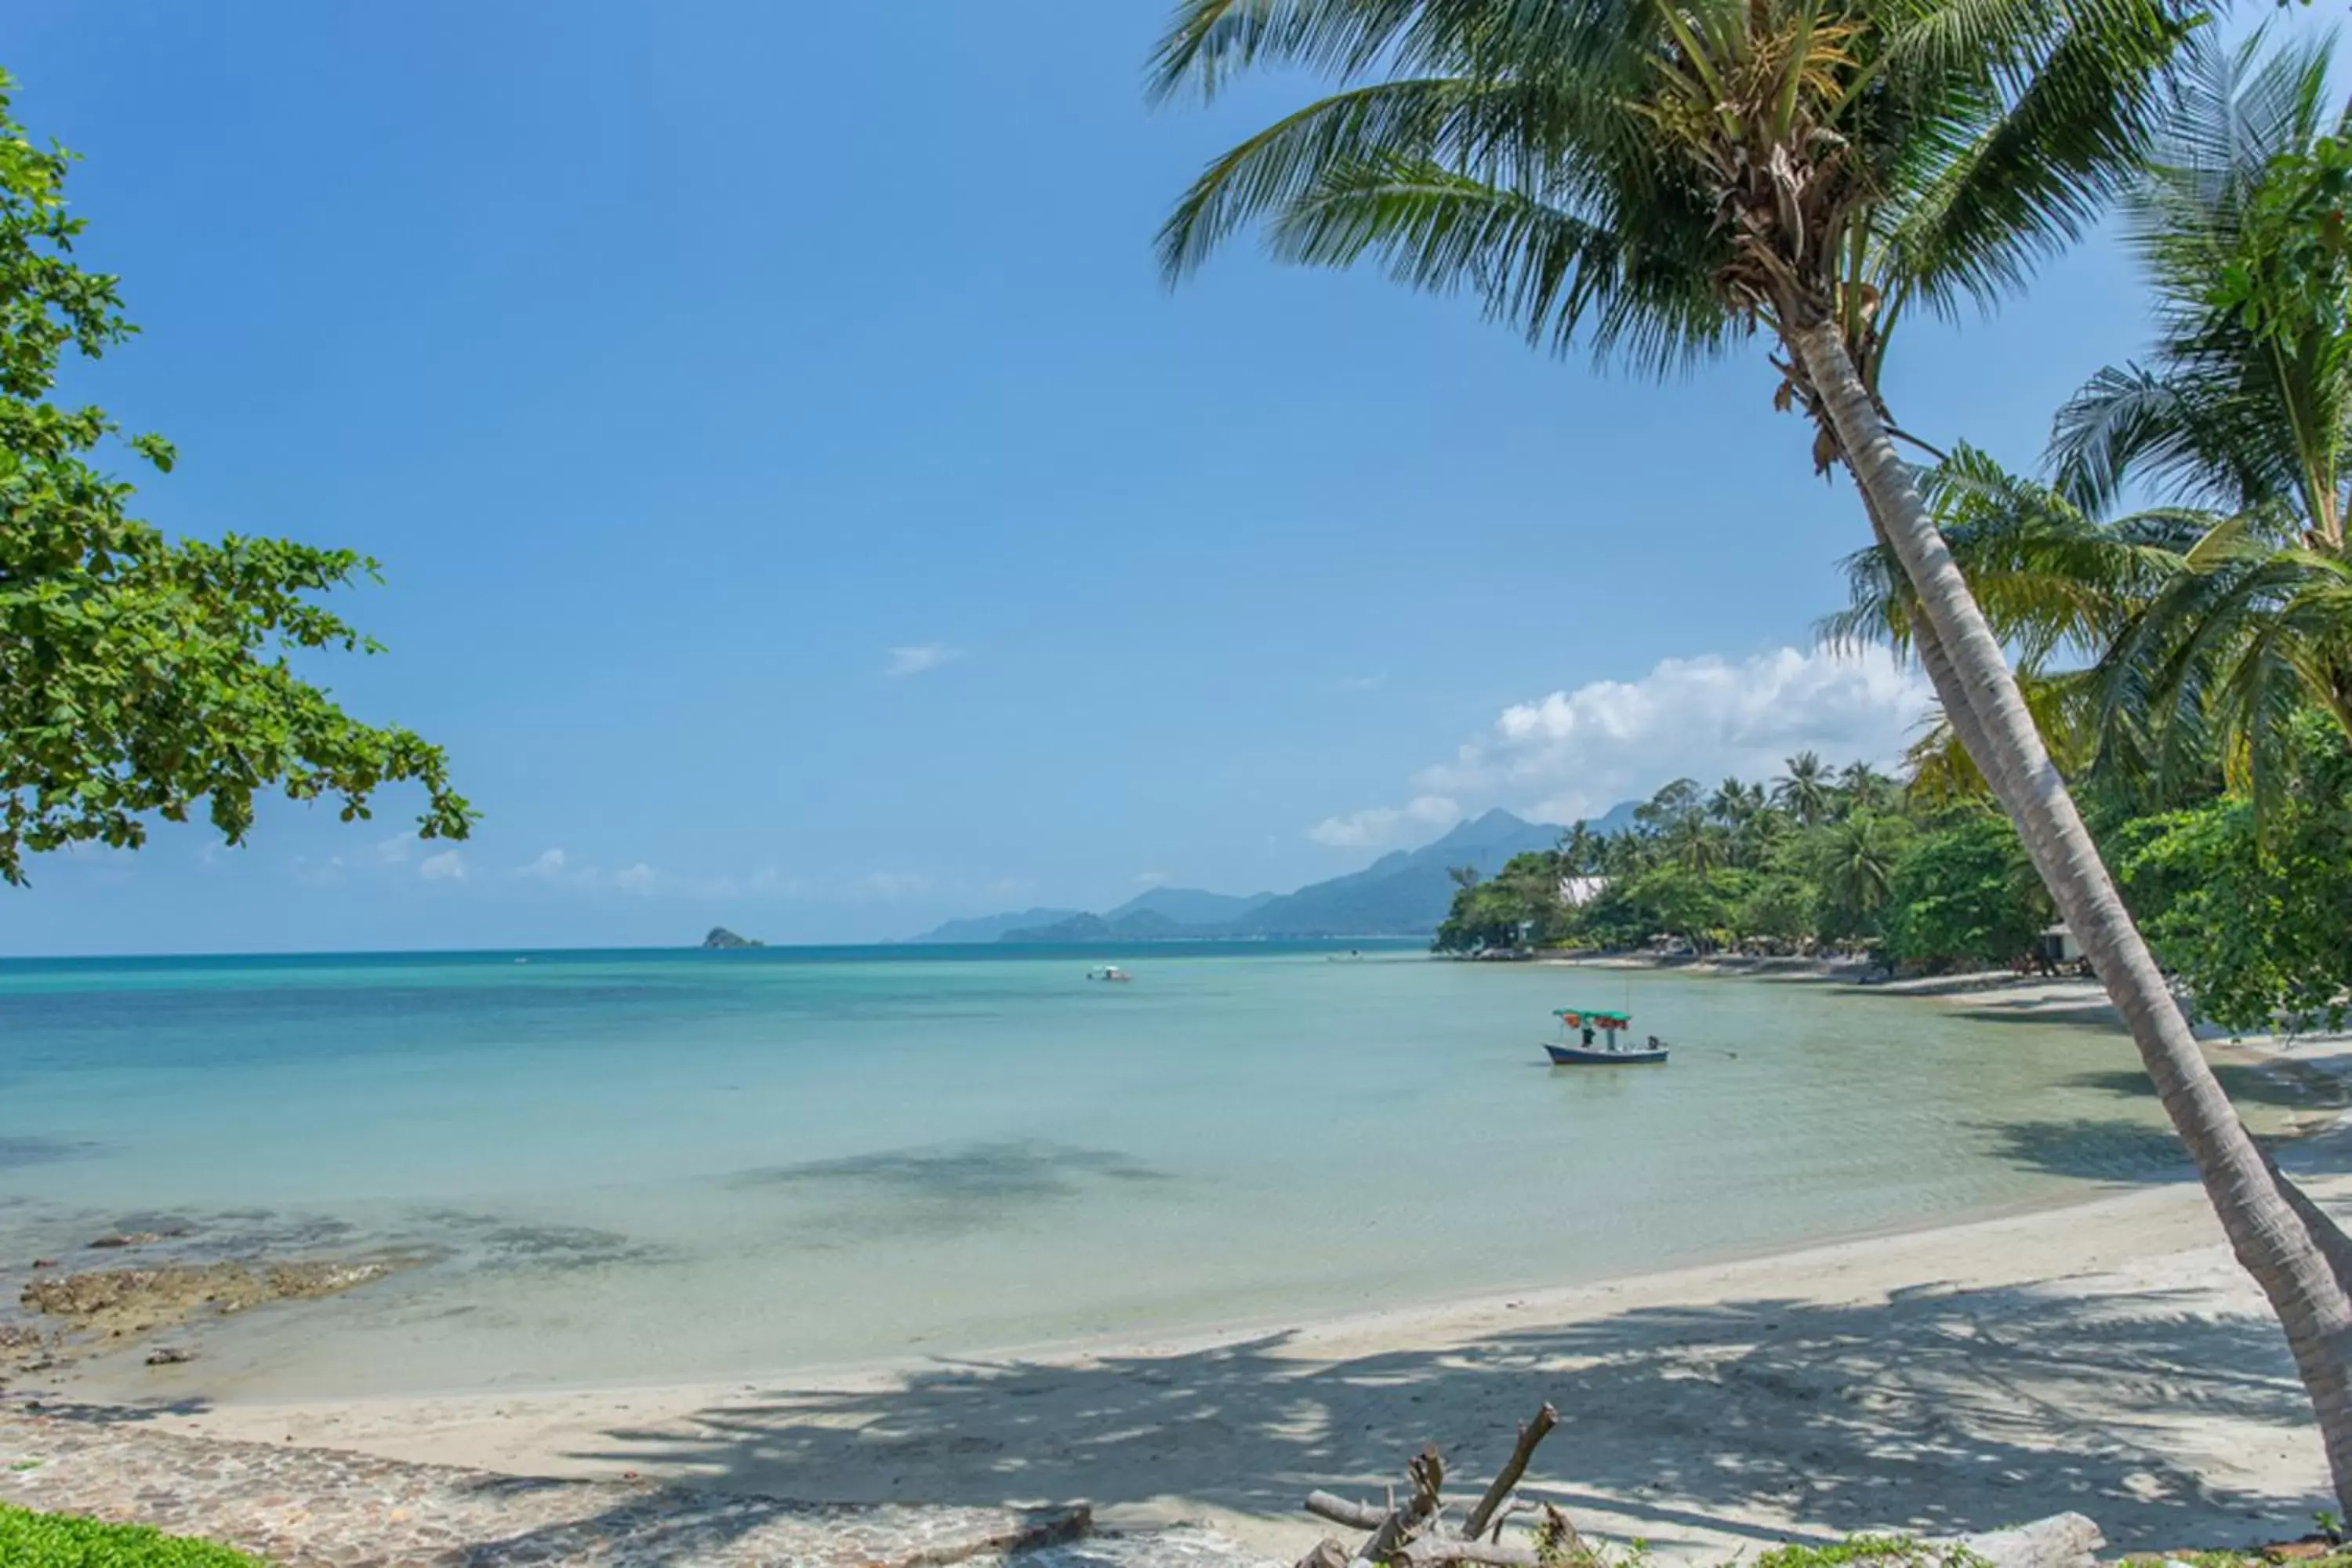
(1937, 1412)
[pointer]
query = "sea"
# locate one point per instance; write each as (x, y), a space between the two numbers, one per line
(642, 1167)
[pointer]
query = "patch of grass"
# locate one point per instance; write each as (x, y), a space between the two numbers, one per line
(30, 1539)
(1907, 1552)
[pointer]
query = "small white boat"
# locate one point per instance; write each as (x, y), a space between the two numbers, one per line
(1109, 971)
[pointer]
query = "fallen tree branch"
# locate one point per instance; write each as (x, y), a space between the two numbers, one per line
(1510, 1511)
(1340, 1511)
(1432, 1550)
(1427, 1472)
(1533, 1433)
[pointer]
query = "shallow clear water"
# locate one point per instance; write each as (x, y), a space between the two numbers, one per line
(678, 1165)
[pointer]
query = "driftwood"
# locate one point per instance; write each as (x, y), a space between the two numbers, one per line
(1438, 1548)
(1328, 1554)
(1340, 1511)
(1412, 1534)
(1408, 1535)
(1505, 1479)
(2062, 1540)
(1427, 1473)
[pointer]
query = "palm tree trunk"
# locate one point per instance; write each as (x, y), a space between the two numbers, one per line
(2330, 1236)
(1957, 711)
(2266, 1231)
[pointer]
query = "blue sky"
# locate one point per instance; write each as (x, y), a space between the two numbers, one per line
(803, 507)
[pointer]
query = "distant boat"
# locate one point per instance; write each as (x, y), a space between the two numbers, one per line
(1108, 972)
(1590, 1036)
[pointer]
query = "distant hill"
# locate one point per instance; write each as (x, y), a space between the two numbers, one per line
(1136, 925)
(988, 928)
(1190, 906)
(1405, 893)
(1618, 818)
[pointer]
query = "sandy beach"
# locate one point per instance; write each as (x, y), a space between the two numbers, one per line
(2107, 1356)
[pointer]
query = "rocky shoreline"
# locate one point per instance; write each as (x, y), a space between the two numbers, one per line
(65, 1316)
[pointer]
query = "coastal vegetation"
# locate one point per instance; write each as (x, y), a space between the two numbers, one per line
(1666, 182)
(2250, 909)
(29, 1539)
(1773, 869)
(142, 675)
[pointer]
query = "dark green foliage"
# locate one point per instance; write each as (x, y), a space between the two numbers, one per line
(1775, 869)
(1520, 906)
(52, 1540)
(140, 674)
(1966, 893)
(2255, 914)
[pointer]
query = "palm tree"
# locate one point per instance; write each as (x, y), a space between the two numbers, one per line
(1761, 835)
(1693, 842)
(1671, 176)
(1805, 792)
(2051, 581)
(1580, 848)
(1857, 864)
(1863, 790)
(2245, 407)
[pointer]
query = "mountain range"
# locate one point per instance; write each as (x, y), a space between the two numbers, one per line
(1405, 892)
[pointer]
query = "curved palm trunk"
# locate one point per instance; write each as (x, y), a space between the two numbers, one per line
(2267, 1230)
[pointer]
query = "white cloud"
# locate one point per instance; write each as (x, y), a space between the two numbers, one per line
(636, 879)
(1574, 754)
(548, 868)
(1356, 683)
(890, 885)
(397, 849)
(920, 657)
(1382, 824)
(1010, 888)
(449, 866)
(1151, 878)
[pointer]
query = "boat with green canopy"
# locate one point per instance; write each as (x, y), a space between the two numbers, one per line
(1595, 1036)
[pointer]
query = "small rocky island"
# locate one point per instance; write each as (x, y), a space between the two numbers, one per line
(721, 937)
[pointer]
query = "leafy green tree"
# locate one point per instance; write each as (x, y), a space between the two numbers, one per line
(1780, 909)
(2256, 914)
(1964, 892)
(142, 675)
(1520, 902)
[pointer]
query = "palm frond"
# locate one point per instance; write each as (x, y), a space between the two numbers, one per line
(1449, 118)
(2227, 113)
(2025, 127)
(1545, 270)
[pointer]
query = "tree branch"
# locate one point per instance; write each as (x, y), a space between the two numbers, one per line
(1531, 1433)
(1340, 1510)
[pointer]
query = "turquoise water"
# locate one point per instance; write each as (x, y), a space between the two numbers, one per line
(648, 1166)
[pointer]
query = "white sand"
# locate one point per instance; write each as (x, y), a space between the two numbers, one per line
(2108, 1357)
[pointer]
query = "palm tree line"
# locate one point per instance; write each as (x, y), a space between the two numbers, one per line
(1669, 181)
(1813, 859)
